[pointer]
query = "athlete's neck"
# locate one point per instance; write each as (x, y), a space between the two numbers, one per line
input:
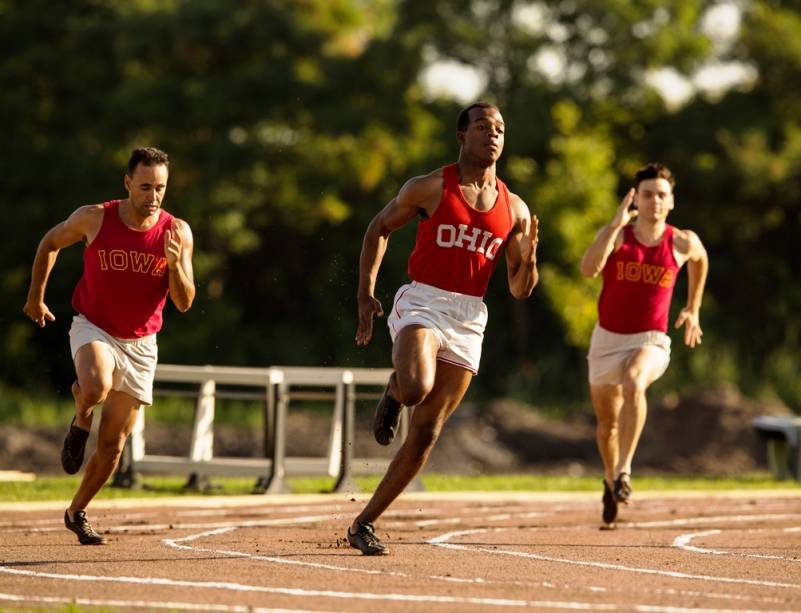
(649, 232)
(134, 220)
(478, 175)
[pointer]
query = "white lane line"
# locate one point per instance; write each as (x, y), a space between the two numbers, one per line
(250, 523)
(424, 523)
(442, 541)
(553, 604)
(332, 508)
(177, 544)
(180, 543)
(240, 587)
(129, 517)
(477, 580)
(56, 524)
(683, 542)
(414, 598)
(146, 604)
(258, 510)
(687, 521)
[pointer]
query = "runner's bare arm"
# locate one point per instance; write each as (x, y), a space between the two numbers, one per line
(689, 248)
(521, 250)
(82, 224)
(418, 194)
(178, 247)
(608, 238)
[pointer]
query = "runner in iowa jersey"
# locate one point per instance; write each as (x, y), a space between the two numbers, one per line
(136, 255)
(630, 349)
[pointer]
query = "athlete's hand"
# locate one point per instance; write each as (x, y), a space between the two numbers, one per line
(369, 307)
(528, 246)
(692, 327)
(38, 312)
(624, 213)
(173, 245)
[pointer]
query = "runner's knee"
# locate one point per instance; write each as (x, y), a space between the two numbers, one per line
(607, 428)
(413, 391)
(634, 382)
(94, 391)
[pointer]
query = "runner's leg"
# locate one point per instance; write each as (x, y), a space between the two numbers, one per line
(450, 384)
(607, 401)
(116, 422)
(94, 367)
(642, 369)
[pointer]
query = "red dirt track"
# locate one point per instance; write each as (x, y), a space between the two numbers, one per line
(468, 552)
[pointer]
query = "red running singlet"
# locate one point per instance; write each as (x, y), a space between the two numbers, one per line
(457, 247)
(125, 280)
(638, 285)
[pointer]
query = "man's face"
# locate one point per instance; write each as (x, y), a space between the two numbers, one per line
(146, 188)
(654, 199)
(483, 138)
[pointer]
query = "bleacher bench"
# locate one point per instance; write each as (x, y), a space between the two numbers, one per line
(783, 436)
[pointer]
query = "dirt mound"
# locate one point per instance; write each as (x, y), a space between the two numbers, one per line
(508, 436)
(709, 432)
(705, 433)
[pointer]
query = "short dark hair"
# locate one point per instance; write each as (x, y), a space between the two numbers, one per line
(654, 170)
(464, 116)
(147, 156)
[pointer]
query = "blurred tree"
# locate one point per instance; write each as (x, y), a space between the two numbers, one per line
(290, 124)
(280, 124)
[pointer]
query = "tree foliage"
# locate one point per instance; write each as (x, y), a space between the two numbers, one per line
(290, 124)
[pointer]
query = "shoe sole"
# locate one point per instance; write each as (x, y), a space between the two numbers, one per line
(609, 514)
(623, 497)
(71, 465)
(368, 552)
(83, 540)
(384, 436)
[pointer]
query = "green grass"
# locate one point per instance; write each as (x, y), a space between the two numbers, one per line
(63, 488)
(32, 408)
(35, 409)
(513, 483)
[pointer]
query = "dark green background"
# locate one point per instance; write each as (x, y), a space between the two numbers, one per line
(289, 124)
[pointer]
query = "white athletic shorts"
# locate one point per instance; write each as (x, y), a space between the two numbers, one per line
(609, 353)
(458, 320)
(134, 359)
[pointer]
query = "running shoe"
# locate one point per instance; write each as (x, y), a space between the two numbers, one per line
(73, 449)
(609, 514)
(387, 418)
(81, 526)
(623, 488)
(366, 541)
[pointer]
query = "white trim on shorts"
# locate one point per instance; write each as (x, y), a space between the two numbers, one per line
(610, 351)
(458, 320)
(134, 359)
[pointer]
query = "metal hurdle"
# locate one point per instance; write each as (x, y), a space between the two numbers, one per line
(783, 437)
(279, 385)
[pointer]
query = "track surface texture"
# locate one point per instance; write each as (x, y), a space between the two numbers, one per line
(692, 551)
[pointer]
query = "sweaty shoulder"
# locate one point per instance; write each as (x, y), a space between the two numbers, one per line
(86, 220)
(422, 192)
(181, 226)
(520, 212)
(686, 245)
